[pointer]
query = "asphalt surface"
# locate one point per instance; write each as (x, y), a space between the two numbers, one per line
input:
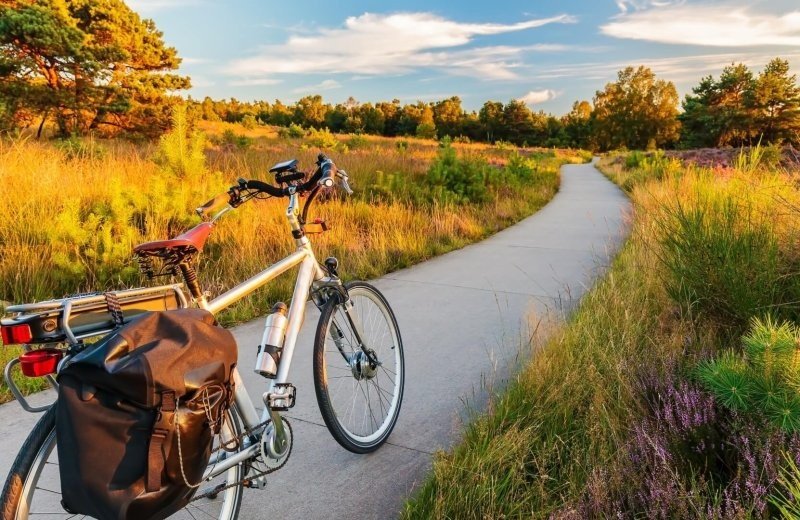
(463, 317)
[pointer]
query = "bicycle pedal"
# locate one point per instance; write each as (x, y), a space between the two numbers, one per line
(282, 397)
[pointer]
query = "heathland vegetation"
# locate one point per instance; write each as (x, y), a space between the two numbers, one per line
(673, 390)
(82, 205)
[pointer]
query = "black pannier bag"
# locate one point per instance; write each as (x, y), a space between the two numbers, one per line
(119, 403)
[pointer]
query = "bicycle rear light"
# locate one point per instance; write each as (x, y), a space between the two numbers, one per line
(16, 334)
(41, 362)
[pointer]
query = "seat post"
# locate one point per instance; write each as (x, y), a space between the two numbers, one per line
(190, 276)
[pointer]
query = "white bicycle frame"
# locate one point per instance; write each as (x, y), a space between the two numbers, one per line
(309, 274)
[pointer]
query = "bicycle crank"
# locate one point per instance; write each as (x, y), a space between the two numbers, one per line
(275, 448)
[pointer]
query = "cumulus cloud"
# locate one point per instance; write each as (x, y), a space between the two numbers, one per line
(327, 84)
(374, 44)
(535, 97)
(715, 25)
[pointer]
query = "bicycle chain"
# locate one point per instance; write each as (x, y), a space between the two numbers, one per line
(244, 481)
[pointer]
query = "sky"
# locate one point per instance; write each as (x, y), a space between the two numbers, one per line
(548, 54)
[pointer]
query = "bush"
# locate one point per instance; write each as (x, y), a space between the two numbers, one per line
(426, 131)
(292, 131)
(764, 380)
(249, 121)
(322, 139)
(457, 180)
(181, 151)
(357, 141)
(231, 139)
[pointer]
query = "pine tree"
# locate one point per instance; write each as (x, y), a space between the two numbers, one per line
(776, 103)
(92, 64)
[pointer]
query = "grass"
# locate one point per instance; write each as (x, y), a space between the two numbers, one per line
(79, 207)
(609, 418)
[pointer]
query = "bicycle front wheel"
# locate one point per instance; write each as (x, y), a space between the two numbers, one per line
(359, 385)
(33, 487)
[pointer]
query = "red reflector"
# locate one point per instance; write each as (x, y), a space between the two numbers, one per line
(16, 334)
(42, 362)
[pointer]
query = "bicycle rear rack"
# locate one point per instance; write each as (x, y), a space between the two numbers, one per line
(76, 318)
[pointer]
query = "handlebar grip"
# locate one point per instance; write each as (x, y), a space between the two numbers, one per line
(213, 204)
(327, 168)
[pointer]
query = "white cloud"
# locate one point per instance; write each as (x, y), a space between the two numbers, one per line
(254, 82)
(327, 84)
(376, 44)
(716, 25)
(535, 97)
(625, 5)
(679, 68)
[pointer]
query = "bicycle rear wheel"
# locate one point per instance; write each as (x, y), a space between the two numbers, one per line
(359, 400)
(33, 487)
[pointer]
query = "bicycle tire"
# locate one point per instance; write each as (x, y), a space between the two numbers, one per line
(340, 432)
(41, 442)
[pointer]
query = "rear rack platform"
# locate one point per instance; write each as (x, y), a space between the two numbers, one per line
(75, 318)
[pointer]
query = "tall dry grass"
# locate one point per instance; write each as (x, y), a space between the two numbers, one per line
(73, 211)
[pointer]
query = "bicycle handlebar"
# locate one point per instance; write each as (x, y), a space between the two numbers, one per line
(324, 177)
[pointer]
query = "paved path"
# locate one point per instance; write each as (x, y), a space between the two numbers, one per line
(462, 317)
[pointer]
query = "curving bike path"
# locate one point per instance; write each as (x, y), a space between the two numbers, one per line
(462, 316)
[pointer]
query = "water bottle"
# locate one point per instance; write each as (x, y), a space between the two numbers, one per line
(269, 352)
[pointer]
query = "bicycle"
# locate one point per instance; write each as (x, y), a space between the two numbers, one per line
(357, 348)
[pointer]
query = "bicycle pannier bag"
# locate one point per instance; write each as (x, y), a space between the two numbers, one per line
(137, 413)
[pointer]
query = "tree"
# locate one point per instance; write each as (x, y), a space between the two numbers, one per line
(491, 116)
(91, 63)
(776, 103)
(638, 111)
(517, 122)
(310, 111)
(577, 125)
(447, 115)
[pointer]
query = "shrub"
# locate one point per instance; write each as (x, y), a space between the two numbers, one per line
(292, 131)
(765, 379)
(322, 139)
(181, 151)
(231, 139)
(249, 121)
(357, 141)
(426, 131)
(457, 180)
(520, 168)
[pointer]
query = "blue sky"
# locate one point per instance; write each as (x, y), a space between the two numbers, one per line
(546, 53)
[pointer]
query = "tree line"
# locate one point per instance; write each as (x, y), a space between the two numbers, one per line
(96, 66)
(637, 111)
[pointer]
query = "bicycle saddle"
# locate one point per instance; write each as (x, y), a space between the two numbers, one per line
(191, 241)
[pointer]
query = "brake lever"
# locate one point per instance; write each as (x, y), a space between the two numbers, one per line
(343, 181)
